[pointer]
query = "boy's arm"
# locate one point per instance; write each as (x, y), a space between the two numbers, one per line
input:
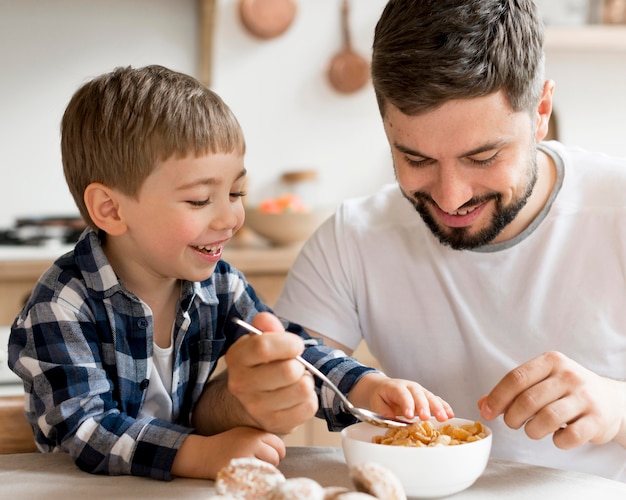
(70, 399)
(203, 456)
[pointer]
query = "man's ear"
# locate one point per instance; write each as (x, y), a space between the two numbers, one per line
(544, 110)
(103, 207)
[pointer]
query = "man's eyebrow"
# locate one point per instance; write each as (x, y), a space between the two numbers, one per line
(408, 151)
(485, 147)
(209, 181)
(480, 149)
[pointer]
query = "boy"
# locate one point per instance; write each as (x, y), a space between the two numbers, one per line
(119, 338)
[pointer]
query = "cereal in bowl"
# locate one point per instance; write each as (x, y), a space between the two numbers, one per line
(421, 434)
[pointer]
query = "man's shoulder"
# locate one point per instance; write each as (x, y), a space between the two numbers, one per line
(386, 208)
(593, 179)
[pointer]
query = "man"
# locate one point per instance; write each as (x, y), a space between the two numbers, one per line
(506, 295)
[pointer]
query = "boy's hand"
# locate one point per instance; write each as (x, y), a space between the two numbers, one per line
(397, 397)
(203, 456)
(273, 387)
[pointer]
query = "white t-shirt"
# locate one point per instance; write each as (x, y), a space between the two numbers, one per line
(458, 321)
(158, 400)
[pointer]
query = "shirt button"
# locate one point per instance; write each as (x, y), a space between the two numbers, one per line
(142, 323)
(144, 384)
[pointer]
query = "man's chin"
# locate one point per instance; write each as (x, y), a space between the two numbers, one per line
(460, 238)
(457, 242)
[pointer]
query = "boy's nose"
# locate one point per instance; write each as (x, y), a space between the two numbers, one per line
(225, 217)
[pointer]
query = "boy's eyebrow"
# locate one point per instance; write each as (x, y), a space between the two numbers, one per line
(472, 152)
(209, 181)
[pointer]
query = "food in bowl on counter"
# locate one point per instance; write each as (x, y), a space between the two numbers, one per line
(426, 434)
(285, 203)
(424, 471)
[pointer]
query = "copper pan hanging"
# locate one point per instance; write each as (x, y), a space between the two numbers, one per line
(348, 70)
(267, 19)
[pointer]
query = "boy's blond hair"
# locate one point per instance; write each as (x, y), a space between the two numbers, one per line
(119, 125)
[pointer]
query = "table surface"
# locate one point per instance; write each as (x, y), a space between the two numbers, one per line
(54, 476)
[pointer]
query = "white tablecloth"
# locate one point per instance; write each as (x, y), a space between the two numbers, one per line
(54, 476)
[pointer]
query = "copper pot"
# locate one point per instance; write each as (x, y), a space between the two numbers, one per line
(267, 18)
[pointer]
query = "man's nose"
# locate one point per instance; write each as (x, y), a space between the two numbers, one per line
(450, 189)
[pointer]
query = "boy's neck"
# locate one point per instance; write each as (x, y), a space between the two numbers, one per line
(160, 294)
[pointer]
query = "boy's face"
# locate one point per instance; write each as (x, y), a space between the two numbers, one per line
(468, 167)
(184, 214)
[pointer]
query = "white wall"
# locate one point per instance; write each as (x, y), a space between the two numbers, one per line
(590, 98)
(277, 88)
(49, 48)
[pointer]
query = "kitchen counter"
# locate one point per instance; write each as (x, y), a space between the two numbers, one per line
(54, 476)
(265, 268)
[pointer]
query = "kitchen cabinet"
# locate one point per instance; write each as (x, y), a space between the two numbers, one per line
(16, 435)
(265, 268)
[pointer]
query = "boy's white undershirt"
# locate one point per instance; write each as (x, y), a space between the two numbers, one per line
(158, 402)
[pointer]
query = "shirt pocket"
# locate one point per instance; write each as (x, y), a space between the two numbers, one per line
(209, 350)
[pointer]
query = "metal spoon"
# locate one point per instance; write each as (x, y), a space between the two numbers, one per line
(360, 413)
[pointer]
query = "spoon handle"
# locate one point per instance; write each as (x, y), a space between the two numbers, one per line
(307, 365)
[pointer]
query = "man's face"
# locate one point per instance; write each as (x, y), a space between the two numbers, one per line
(468, 167)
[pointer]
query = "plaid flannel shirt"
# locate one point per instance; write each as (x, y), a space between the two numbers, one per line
(83, 346)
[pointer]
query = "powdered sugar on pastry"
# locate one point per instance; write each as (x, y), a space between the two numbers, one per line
(247, 479)
(297, 488)
(333, 492)
(355, 495)
(376, 480)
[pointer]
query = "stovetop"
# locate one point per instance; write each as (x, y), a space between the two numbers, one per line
(42, 231)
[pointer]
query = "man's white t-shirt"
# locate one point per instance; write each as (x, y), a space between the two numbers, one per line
(458, 321)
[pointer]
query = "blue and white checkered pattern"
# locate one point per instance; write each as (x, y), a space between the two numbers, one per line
(82, 346)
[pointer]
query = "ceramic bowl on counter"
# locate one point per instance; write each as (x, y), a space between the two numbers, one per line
(425, 472)
(285, 228)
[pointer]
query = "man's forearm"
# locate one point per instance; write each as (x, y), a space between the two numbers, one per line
(218, 410)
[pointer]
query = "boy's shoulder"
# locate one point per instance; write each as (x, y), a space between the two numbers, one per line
(63, 275)
(80, 273)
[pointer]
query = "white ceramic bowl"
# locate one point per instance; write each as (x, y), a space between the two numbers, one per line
(285, 228)
(428, 472)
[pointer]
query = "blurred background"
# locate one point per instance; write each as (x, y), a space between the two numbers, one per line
(324, 142)
(277, 86)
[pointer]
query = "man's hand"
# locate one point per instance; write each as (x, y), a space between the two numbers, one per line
(551, 394)
(272, 386)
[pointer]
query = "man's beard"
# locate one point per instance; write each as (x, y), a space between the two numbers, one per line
(459, 238)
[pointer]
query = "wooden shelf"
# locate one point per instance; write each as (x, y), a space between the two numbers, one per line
(605, 38)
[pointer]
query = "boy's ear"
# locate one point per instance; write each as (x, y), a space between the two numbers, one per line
(544, 110)
(103, 207)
